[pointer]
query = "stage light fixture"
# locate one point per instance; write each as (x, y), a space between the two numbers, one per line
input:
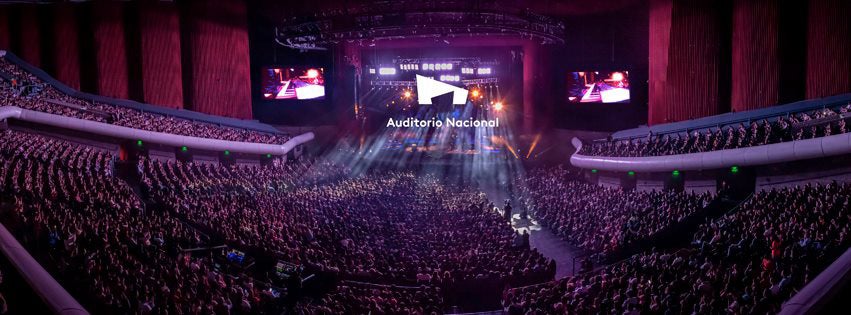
(450, 78)
(386, 71)
(475, 93)
(407, 94)
(498, 106)
(617, 76)
(312, 73)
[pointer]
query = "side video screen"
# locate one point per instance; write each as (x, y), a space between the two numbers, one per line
(293, 83)
(598, 87)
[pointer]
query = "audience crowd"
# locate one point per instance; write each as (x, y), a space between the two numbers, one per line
(93, 233)
(748, 261)
(389, 228)
(396, 239)
(600, 219)
(362, 298)
(806, 125)
(23, 89)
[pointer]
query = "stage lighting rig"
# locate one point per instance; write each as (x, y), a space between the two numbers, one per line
(415, 19)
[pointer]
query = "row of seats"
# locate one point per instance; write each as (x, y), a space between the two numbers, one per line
(798, 126)
(23, 89)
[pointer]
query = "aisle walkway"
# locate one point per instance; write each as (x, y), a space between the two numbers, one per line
(542, 238)
(549, 244)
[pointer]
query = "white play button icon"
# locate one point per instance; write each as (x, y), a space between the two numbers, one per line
(428, 88)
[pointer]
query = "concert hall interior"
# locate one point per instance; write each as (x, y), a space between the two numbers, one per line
(425, 157)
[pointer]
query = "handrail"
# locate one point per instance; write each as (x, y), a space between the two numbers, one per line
(751, 156)
(51, 292)
(128, 133)
(816, 294)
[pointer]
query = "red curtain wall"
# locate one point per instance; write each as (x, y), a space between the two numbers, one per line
(660, 28)
(756, 66)
(66, 54)
(683, 74)
(30, 46)
(828, 48)
(110, 49)
(215, 48)
(162, 75)
(219, 56)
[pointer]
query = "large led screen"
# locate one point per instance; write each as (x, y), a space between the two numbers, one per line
(293, 83)
(598, 87)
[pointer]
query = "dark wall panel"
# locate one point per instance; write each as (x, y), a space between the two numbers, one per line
(756, 68)
(110, 49)
(792, 50)
(161, 71)
(614, 40)
(65, 54)
(828, 48)
(5, 35)
(219, 57)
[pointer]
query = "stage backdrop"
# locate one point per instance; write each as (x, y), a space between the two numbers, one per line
(187, 54)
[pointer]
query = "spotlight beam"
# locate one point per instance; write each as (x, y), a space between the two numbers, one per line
(534, 144)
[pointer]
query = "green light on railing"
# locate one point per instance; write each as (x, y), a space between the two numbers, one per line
(734, 169)
(675, 173)
(184, 149)
(227, 152)
(139, 143)
(594, 171)
(268, 155)
(631, 173)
